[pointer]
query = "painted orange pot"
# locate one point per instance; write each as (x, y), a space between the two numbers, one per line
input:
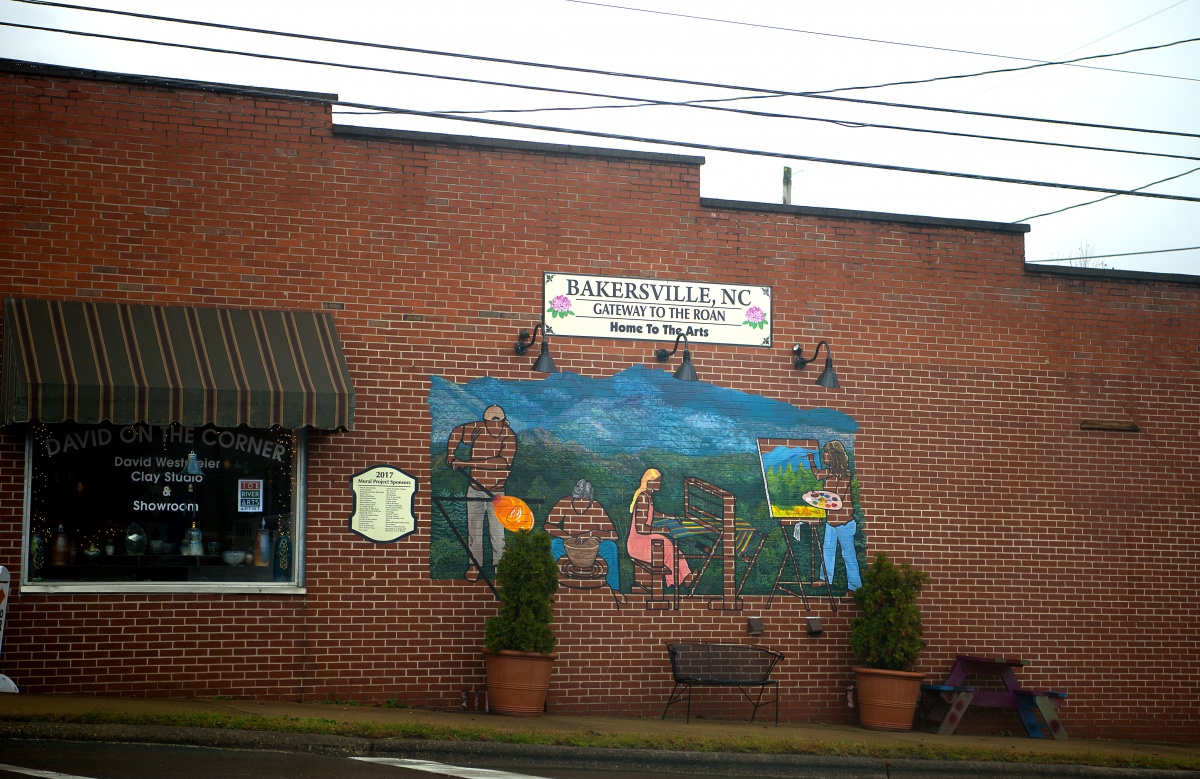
(513, 513)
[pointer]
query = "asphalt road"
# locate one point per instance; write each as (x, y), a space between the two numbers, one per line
(95, 760)
(301, 756)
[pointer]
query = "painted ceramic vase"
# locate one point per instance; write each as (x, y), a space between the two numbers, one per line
(281, 561)
(193, 542)
(60, 548)
(262, 546)
(135, 539)
(37, 555)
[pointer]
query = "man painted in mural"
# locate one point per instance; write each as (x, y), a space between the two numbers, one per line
(493, 447)
(642, 531)
(580, 515)
(840, 525)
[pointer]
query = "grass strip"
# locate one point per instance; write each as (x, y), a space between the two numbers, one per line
(682, 742)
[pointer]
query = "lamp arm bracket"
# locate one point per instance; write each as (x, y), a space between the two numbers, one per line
(662, 355)
(800, 359)
(520, 347)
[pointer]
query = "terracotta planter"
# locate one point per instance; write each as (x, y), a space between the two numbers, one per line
(517, 681)
(887, 700)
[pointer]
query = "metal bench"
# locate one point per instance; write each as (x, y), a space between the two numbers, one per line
(742, 666)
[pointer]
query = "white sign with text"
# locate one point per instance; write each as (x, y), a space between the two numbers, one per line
(250, 495)
(384, 497)
(655, 310)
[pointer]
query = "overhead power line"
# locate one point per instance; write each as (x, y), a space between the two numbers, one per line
(737, 150)
(840, 122)
(887, 42)
(987, 115)
(730, 149)
(1126, 27)
(636, 102)
(763, 153)
(643, 103)
(1092, 202)
(764, 92)
(1012, 70)
(1123, 254)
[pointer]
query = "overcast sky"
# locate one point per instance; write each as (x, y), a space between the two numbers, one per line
(789, 46)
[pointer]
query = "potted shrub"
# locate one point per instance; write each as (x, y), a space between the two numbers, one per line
(519, 640)
(887, 638)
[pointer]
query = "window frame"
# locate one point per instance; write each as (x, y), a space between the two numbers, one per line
(299, 522)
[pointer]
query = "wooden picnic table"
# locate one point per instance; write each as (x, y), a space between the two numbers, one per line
(950, 700)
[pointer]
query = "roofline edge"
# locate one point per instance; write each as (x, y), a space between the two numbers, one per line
(386, 133)
(871, 216)
(30, 68)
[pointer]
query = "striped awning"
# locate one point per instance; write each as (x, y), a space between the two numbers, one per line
(93, 362)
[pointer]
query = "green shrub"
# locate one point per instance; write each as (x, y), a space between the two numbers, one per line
(888, 633)
(527, 577)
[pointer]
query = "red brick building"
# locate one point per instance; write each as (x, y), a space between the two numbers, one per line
(1027, 436)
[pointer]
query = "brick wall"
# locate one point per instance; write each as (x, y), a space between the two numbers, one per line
(1075, 549)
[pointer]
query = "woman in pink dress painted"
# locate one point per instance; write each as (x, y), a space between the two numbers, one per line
(642, 531)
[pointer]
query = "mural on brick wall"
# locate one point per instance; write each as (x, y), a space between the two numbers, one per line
(654, 490)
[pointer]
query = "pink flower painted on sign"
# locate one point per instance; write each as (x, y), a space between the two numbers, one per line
(560, 306)
(756, 318)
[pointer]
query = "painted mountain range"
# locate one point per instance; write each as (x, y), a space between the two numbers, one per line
(639, 408)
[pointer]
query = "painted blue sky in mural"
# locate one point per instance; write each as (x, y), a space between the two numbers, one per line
(797, 458)
(630, 410)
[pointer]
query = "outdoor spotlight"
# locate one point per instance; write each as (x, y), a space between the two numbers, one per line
(544, 362)
(828, 377)
(686, 371)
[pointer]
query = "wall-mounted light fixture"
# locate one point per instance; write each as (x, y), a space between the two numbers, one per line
(813, 626)
(544, 362)
(828, 377)
(686, 371)
(754, 626)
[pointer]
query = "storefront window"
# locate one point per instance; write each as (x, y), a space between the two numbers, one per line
(179, 508)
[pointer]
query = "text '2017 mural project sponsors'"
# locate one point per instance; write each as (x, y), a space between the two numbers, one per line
(602, 306)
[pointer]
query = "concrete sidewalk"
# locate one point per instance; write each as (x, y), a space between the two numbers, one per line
(19, 714)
